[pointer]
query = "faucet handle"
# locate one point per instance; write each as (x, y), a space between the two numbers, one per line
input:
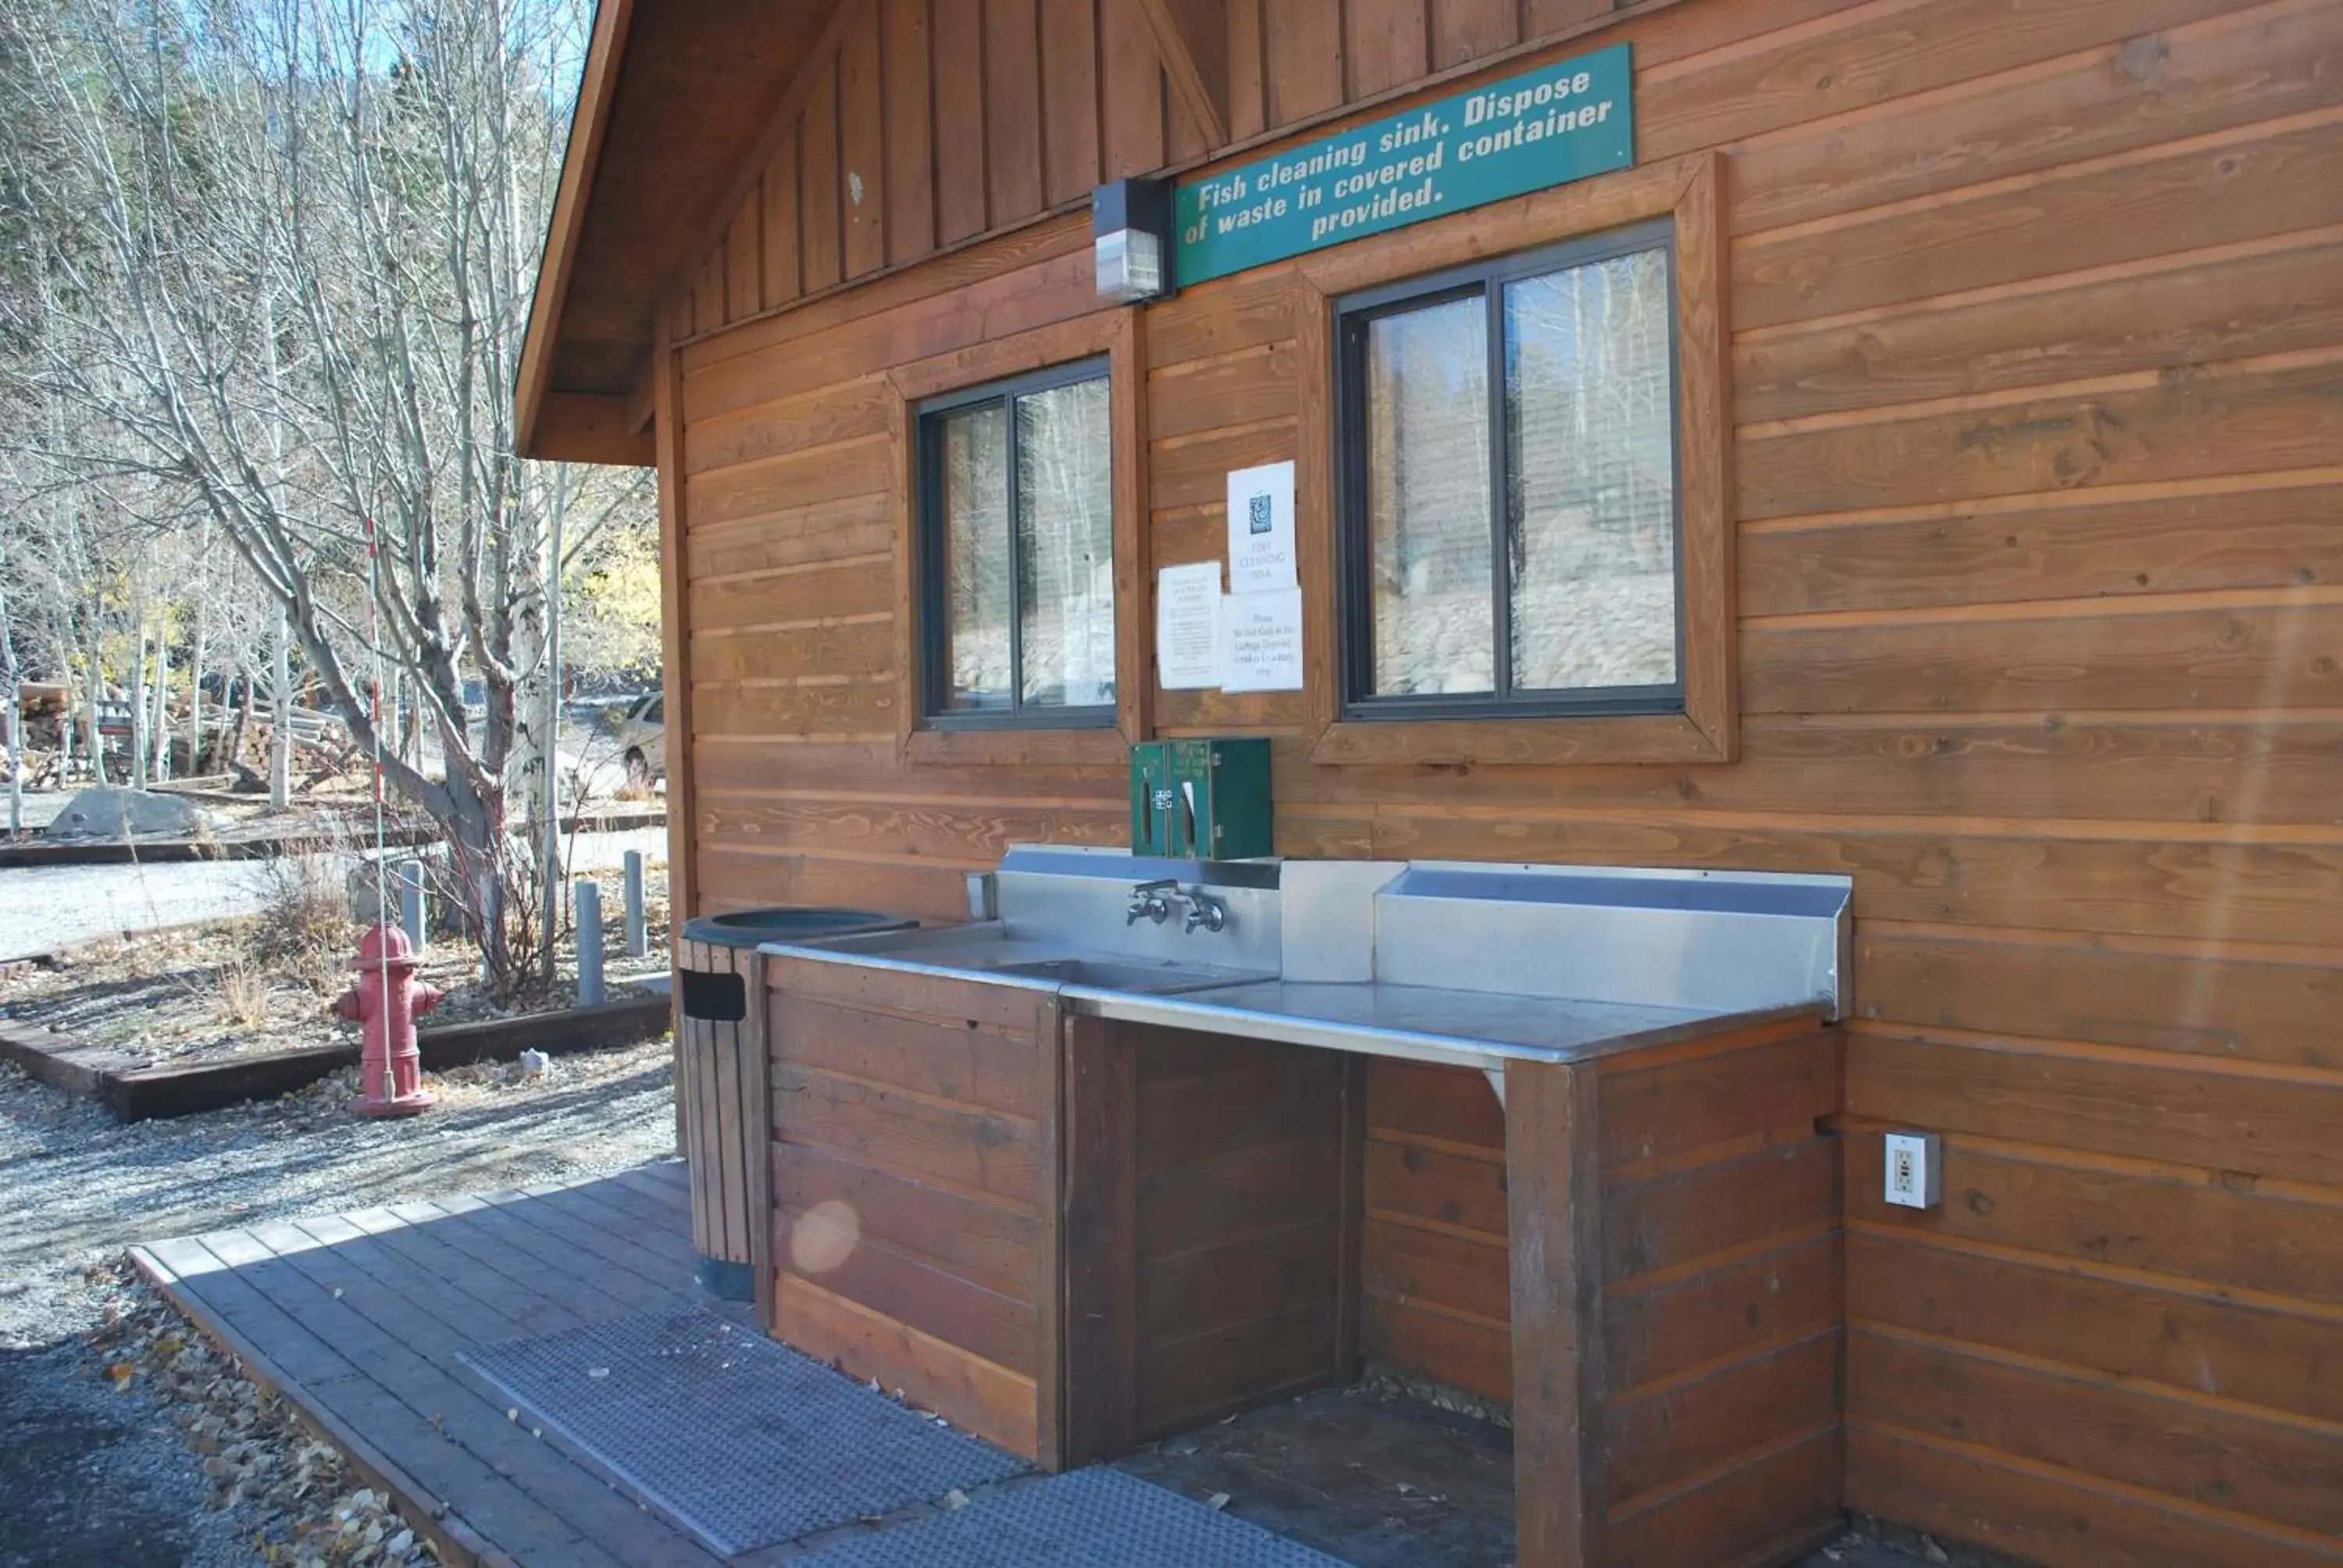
(1147, 901)
(1204, 910)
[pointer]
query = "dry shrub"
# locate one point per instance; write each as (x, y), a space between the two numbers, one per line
(305, 929)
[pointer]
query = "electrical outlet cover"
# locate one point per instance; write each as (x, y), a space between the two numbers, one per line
(1914, 1175)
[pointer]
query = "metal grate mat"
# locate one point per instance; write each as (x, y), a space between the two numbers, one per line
(732, 1437)
(1088, 1519)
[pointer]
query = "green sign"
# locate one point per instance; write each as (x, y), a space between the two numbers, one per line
(1546, 127)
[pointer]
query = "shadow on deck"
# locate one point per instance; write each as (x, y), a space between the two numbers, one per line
(359, 1319)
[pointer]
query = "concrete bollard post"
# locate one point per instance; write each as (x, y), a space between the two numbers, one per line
(639, 937)
(412, 911)
(589, 941)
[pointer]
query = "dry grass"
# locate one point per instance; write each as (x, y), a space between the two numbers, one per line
(243, 994)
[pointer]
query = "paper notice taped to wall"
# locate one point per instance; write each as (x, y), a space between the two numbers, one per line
(1262, 558)
(1261, 642)
(1188, 626)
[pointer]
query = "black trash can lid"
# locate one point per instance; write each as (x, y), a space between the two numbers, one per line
(789, 923)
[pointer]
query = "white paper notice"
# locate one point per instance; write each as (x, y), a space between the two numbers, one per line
(1261, 528)
(1261, 642)
(1188, 626)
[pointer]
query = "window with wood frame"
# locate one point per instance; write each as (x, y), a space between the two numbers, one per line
(1601, 630)
(1017, 606)
(1508, 516)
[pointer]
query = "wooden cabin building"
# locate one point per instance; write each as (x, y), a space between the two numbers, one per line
(1901, 439)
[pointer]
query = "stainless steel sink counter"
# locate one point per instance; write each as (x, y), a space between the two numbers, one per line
(1471, 965)
(1422, 1023)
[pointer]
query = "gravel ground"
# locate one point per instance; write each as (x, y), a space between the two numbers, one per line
(97, 1473)
(45, 906)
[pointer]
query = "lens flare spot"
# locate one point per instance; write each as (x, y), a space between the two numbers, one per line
(825, 1237)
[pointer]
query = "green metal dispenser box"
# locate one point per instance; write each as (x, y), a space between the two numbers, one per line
(1200, 799)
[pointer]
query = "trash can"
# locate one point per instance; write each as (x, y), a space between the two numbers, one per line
(720, 1073)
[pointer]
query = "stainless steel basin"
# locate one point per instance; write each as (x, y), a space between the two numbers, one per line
(1123, 974)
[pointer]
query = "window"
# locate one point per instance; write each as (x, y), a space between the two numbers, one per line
(1016, 552)
(1509, 515)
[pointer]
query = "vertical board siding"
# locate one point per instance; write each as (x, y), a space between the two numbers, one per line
(862, 139)
(2037, 360)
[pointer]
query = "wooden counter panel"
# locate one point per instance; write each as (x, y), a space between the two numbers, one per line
(1780, 1075)
(992, 1069)
(1210, 1227)
(1468, 1354)
(1731, 1309)
(1415, 1180)
(1250, 1313)
(1687, 1428)
(904, 1131)
(921, 1296)
(1277, 1186)
(1663, 1223)
(965, 1389)
(1434, 1104)
(1186, 1382)
(913, 1224)
(1252, 1276)
(983, 1243)
(1762, 1506)
(1455, 1274)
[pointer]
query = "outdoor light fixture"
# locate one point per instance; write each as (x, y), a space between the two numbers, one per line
(1130, 239)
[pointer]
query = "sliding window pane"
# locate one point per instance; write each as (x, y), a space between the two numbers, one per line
(1065, 532)
(1592, 509)
(1427, 499)
(975, 501)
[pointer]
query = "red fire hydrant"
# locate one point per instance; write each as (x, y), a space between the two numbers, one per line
(387, 1000)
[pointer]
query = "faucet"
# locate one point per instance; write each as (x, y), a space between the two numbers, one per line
(1204, 910)
(1151, 902)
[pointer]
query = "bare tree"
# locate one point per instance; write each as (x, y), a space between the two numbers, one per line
(295, 304)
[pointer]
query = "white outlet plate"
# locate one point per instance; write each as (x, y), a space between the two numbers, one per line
(1915, 1170)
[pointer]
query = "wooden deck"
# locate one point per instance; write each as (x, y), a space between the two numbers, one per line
(357, 1318)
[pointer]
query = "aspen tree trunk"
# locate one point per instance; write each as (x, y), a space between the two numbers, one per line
(139, 708)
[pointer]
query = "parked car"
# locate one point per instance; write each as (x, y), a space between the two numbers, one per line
(640, 726)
